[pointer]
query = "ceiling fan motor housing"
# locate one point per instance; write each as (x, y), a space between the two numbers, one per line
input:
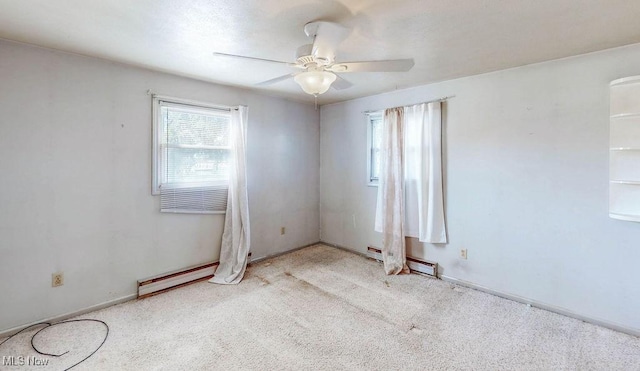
(305, 57)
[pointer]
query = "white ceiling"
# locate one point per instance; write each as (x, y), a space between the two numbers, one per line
(447, 38)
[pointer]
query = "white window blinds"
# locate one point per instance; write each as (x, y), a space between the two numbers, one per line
(205, 200)
(191, 157)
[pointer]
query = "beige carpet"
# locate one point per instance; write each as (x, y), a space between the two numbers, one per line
(325, 309)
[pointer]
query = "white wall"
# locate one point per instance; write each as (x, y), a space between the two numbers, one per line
(526, 162)
(75, 188)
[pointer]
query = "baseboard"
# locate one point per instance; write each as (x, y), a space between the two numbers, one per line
(416, 265)
(548, 307)
(172, 280)
(62, 317)
(159, 284)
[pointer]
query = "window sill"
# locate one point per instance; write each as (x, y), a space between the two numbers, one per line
(186, 211)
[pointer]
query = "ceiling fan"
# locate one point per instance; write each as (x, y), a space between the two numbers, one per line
(317, 61)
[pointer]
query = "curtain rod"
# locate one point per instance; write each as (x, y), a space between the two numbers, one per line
(190, 102)
(430, 101)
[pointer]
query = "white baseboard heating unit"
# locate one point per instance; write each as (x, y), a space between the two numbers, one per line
(415, 264)
(172, 280)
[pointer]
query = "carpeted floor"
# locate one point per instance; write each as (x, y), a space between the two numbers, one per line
(322, 308)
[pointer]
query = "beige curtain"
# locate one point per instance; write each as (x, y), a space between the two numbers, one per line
(424, 198)
(236, 239)
(390, 211)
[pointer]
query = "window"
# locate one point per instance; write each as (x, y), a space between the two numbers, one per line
(374, 140)
(191, 154)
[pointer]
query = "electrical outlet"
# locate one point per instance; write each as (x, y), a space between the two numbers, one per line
(57, 279)
(463, 254)
(281, 230)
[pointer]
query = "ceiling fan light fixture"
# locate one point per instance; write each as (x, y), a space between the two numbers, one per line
(315, 82)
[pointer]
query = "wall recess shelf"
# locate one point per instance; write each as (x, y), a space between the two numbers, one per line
(624, 145)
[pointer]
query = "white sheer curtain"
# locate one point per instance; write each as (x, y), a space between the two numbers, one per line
(390, 210)
(424, 201)
(235, 237)
(410, 196)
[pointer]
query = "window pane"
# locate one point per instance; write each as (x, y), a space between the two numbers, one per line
(376, 143)
(195, 127)
(375, 164)
(194, 144)
(196, 165)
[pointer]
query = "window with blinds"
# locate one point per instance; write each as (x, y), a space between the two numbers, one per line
(191, 156)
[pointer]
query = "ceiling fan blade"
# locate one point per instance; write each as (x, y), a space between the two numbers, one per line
(394, 65)
(341, 84)
(251, 58)
(277, 79)
(327, 38)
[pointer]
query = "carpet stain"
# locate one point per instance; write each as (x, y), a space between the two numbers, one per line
(387, 283)
(310, 286)
(263, 280)
(415, 329)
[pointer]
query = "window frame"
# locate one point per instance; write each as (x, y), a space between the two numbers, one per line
(371, 116)
(156, 156)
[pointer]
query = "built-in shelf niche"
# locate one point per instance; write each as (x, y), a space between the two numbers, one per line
(624, 154)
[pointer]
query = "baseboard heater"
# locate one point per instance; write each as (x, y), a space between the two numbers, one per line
(415, 264)
(172, 280)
